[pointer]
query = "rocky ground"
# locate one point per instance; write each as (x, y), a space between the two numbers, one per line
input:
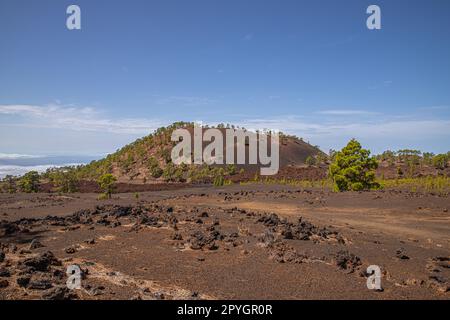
(236, 242)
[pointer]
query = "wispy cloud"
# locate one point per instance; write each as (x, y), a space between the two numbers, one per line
(384, 128)
(385, 83)
(348, 112)
(435, 108)
(15, 156)
(74, 118)
(327, 128)
(379, 135)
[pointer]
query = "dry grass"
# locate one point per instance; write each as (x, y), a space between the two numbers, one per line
(430, 184)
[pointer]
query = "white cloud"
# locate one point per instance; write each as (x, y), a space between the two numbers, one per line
(348, 112)
(374, 128)
(427, 135)
(85, 130)
(14, 156)
(21, 170)
(437, 108)
(74, 118)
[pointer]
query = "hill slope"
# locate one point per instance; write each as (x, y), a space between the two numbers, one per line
(149, 159)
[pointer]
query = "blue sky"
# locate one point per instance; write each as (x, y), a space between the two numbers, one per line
(310, 68)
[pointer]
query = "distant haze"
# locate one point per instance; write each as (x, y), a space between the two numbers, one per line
(16, 164)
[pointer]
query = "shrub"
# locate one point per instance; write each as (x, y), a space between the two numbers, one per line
(29, 182)
(9, 184)
(231, 169)
(353, 169)
(310, 161)
(156, 172)
(169, 172)
(440, 161)
(219, 180)
(106, 183)
(65, 181)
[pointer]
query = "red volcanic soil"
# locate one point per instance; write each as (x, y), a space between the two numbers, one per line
(86, 186)
(236, 242)
(288, 172)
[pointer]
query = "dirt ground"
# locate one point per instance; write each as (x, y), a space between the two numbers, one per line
(234, 242)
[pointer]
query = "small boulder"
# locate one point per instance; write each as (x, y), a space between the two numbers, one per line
(35, 244)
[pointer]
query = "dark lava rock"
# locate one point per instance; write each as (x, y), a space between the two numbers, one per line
(440, 283)
(81, 216)
(103, 221)
(347, 261)
(35, 244)
(95, 290)
(287, 233)
(400, 254)
(119, 211)
(58, 293)
(148, 220)
(304, 230)
(42, 262)
(115, 224)
(8, 228)
(177, 236)
(41, 284)
(4, 273)
(443, 262)
(216, 235)
(159, 296)
(70, 250)
(90, 241)
(199, 240)
(56, 221)
(267, 238)
(439, 279)
(23, 281)
(282, 253)
(270, 220)
(4, 283)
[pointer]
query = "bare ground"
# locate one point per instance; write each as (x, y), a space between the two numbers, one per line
(236, 242)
